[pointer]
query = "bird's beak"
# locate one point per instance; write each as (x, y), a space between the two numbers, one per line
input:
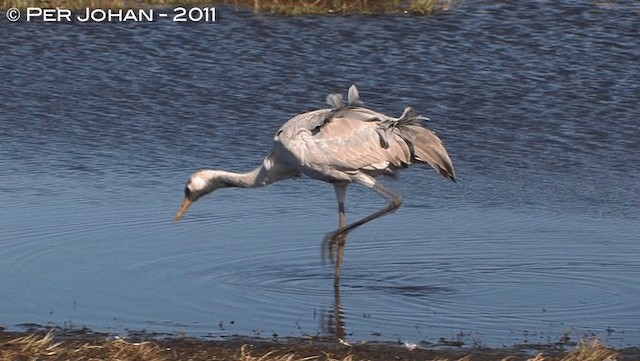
(186, 203)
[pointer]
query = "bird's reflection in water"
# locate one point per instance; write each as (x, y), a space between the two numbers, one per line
(332, 321)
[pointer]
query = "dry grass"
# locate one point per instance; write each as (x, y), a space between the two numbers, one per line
(585, 351)
(347, 7)
(245, 355)
(46, 347)
(280, 7)
(31, 347)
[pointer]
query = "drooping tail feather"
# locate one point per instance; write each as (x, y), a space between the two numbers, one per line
(426, 147)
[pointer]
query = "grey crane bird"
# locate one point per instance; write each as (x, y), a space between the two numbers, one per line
(344, 144)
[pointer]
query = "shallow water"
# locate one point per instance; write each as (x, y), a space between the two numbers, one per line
(102, 124)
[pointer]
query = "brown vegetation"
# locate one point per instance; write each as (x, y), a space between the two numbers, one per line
(346, 7)
(15, 346)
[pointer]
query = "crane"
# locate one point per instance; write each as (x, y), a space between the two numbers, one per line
(346, 143)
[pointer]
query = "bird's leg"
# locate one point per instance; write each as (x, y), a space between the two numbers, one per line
(328, 244)
(341, 190)
(394, 203)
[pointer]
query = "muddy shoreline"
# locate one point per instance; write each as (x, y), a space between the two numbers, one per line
(85, 344)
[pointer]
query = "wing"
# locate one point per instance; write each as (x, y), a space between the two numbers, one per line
(337, 143)
(333, 145)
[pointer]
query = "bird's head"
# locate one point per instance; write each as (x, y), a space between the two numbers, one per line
(200, 183)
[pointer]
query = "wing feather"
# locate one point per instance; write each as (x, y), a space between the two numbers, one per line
(348, 144)
(428, 148)
(334, 144)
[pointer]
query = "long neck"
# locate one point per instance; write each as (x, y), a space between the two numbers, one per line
(220, 178)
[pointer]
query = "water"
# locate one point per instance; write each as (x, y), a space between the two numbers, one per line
(102, 124)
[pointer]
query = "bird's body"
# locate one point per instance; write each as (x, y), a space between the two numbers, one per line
(344, 144)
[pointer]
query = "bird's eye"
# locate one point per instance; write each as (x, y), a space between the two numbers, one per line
(187, 192)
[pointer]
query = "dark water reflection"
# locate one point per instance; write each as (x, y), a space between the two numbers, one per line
(538, 103)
